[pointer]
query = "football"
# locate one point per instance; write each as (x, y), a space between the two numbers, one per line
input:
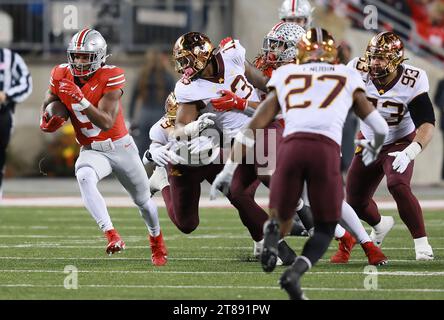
(57, 108)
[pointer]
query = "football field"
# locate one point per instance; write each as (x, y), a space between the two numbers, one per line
(214, 262)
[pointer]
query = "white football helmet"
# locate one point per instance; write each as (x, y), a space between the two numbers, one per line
(280, 44)
(293, 10)
(90, 42)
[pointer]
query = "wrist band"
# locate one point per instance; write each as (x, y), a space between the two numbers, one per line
(84, 103)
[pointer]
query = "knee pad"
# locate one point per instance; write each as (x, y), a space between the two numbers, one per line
(86, 175)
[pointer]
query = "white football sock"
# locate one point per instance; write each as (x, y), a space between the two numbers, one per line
(339, 231)
(421, 242)
(93, 200)
(148, 211)
(349, 220)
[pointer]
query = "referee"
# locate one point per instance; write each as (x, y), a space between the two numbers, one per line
(15, 87)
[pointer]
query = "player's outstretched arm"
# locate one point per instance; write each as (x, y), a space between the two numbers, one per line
(255, 76)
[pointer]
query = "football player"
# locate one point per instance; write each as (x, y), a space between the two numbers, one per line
(400, 93)
(91, 90)
(314, 98)
(297, 11)
(207, 72)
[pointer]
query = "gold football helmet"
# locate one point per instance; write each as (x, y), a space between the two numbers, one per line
(388, 46)
(171, 107)
(191, 53)
(317, 45)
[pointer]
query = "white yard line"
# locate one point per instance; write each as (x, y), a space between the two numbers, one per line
(25, 285)
(411, 261)
(76, 202)
(129, 246)
(379, 273)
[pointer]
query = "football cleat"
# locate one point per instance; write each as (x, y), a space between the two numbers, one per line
(257, 250)
(285, 253)
(374, 254)
(159, 251)
(115, 243)
(289, 281)
(298, 229)
(346, 244)
(381, 229)
(158, 180)
(424, 253)
(271, 241)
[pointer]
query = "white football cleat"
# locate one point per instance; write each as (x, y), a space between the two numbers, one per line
(158, 180)
(381, 229)
(424, 253)
(257, 250)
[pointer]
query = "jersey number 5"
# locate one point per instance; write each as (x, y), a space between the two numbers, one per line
(308, 81)
(89, 129)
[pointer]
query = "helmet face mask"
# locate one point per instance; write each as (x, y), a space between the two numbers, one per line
(191, 53)
(388, 50)
(89, 45)
(280, 44)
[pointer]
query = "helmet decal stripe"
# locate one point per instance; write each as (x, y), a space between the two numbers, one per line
(277, 26)
(293, 2)
(319, 35)
(82, 37)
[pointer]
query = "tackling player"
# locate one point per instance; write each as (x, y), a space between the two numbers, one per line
(208, 71)
(91, 90)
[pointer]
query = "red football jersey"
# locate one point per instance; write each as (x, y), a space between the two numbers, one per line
(105, 79)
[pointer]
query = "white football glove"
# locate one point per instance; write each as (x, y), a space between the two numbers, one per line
(163, 155)
(223, 180)
(204, 121)
(369, 152)
(403, 158)
(200, 144)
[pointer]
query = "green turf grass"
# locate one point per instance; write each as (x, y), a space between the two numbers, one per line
(214, 262)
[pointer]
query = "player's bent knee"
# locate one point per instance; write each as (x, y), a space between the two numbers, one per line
(86, 175)
(186, 226)
(399, 189)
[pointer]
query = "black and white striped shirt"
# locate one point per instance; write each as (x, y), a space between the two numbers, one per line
(15, 79)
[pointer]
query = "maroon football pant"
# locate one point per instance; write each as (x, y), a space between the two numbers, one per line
(183, 194)
(248, 177)
(363, 181)
(315, 159)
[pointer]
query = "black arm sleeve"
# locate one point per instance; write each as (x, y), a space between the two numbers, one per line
(421, 110)
(439, 96)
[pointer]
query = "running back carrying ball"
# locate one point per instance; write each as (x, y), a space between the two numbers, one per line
(56, 108)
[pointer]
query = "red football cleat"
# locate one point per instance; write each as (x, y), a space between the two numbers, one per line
(115, 243)
(346, 244)
(159, 250)
(374, 254)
